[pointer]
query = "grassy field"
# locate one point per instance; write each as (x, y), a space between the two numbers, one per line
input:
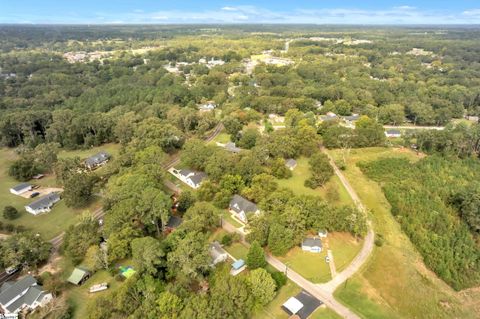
(228, 217)
(395, 283)
(344, 248)
(311, 266)
(302, 172)
(48, 225)
(220, 138)
(112, 149)
(237, 250)
(324, 313)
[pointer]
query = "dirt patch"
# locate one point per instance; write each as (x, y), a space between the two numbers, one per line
(52, 266)
(42, 190)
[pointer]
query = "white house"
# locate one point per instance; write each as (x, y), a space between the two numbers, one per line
(207, 107)
(43, 204)
(291, 164)
(393, 133)
(323, 233)
(241, 207)
(313, 245)
(191, 178)
(23, 294)
(21, 188)
(217, 253)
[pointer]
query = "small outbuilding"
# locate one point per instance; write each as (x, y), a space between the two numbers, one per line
(313, 245)
(323, 233)
(291, 164)
(21, 188)
(302, 305)
(393, 133)
(78, 276)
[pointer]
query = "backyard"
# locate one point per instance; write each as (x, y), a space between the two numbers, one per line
(333, 191)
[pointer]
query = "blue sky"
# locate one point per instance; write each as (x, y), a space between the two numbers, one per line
(212, 11)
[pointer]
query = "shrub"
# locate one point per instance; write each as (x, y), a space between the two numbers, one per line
(227, 240)
(280, 279)
(10, 212)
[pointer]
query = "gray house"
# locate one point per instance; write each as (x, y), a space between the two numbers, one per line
(43, 204)
(191, 178)
(313, 245)
(23, 294)
(96, 160)
(241, 206)
(217, 253)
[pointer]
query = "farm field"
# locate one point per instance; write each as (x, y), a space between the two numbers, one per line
(373, 294)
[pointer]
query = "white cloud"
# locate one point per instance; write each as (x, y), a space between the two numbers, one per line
(229, 9)
(472, 12)
(405, 8)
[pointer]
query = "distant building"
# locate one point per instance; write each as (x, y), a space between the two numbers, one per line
(393, 133)
(173, 223)
(43, 204)
(97, 160)
(217, 253)
(241, 207)
(330, 116)
(207, 107)
(192, 178)
(313, 245)
(21, 188)
(23, 294)
(323, 233)
(291, 164)
(231, 147)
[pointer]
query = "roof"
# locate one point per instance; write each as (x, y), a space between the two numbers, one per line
(312, 242)
(293, 305)
(239, 204)
(21, 186)
(174, 222)
(97, 159)
(230, 146)
(11, 290)
(238, 264)
(77, 276)
(216, 250)
(310, 304)
(328, 117)
(44, 201)
(393, 131)
(353, 117)
(290, 162)
(195, 177)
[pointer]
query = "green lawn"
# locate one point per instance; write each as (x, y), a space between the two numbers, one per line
(79, 296)
(344, 248)
(228, 217)
(50, 224)
(395, 282)
(221, 138)
(273, 310)
(324, 313)
(302, 172)
(237, 250)
(311, 266)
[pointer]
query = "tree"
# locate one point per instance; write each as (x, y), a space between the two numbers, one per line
(10, 212)
(78, 189)
(202, 217)
(280, 239)
(169, 305)
(262, 185)
(233, 126)
(321, 170)
(392, 114)
(46, 154)
(78, 238)
(23, 169)
(190, 258)
(185, 201)
(249, 138)
(148, 254)
(256, 256)
(25, 249)
(262, 286)
(66, 167)
(279, 169)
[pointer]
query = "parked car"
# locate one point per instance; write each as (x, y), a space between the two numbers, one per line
(11, 270)
(327, 259)
(34, 194)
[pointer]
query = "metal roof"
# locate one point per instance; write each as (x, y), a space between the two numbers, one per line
(21, 186)
(239, 204)
(45, 201)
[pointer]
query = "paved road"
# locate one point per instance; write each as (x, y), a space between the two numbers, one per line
(406, 127)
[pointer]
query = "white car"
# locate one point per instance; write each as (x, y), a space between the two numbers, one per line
(11, 270)
(327, 259)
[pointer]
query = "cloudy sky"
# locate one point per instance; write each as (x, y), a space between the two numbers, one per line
(212, 11)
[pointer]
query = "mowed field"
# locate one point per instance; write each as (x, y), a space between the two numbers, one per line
(48, 225)
(333, 191)
(395, 283)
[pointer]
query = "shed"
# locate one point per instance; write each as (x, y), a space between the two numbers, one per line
(393, 133)
(291, 164)
(21, 188)
(78, 276)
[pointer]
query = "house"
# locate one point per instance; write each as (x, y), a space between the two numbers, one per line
(207, 107)
(241, 207)
(23, 294)
(21, 188)
(217, 253)
(393, 133)
(330, 116)
(322, 233)
(191, 178)
(291, 164)
(78, 276)
(97, 160)
(43, 204)
(231, 147)
(313, 245)
(302, 305)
